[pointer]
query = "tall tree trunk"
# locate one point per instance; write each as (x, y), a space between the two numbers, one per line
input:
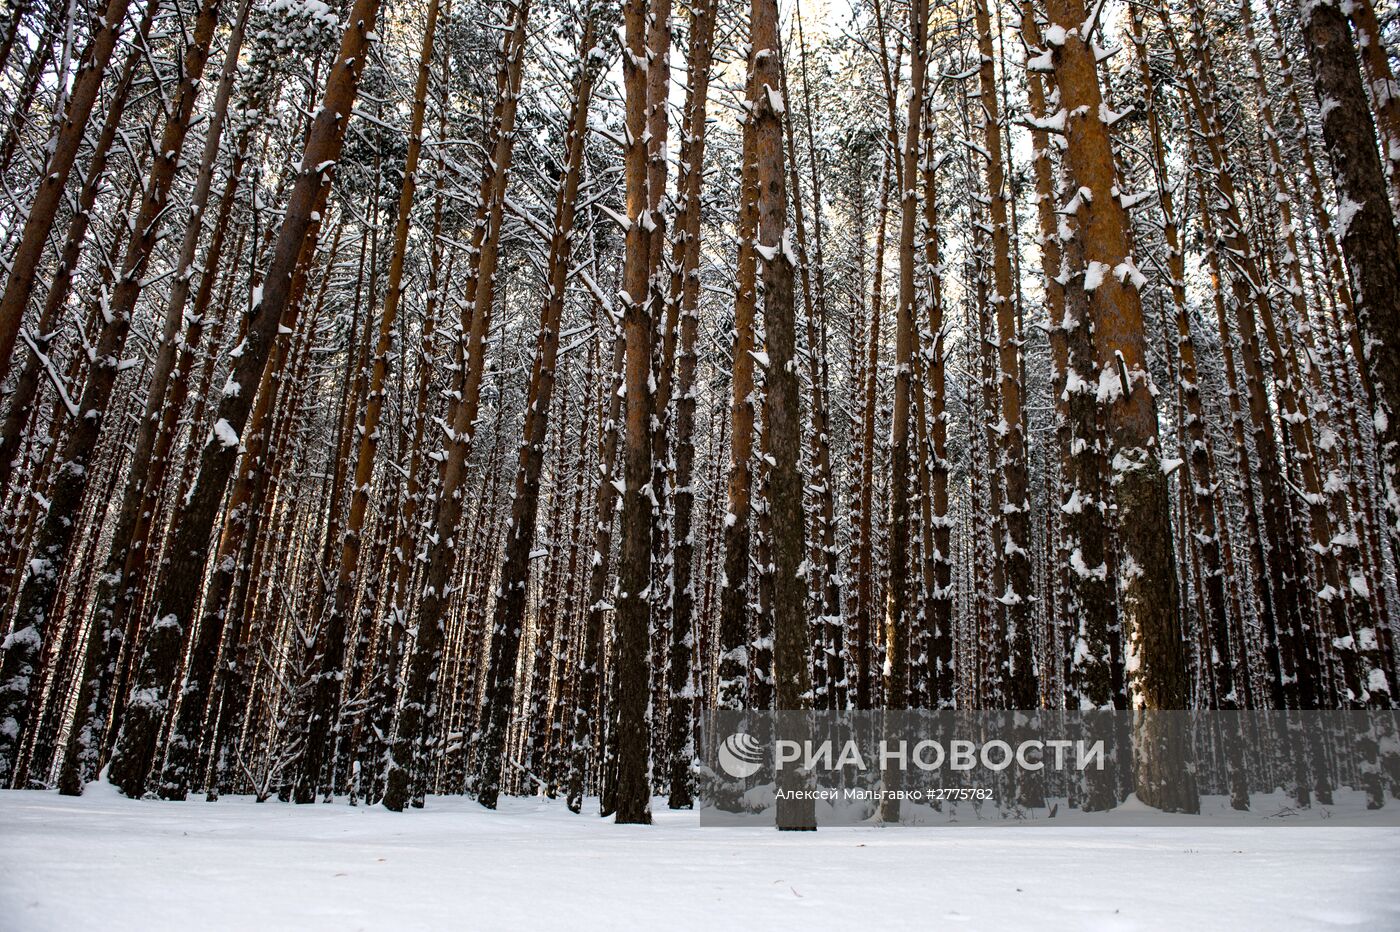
(633, 652)
(826, 576)
(1146, 569)
(685, 293)
(865, 552)
(664, 316)
(782, 410)
(322, 720)
(898, 614)
(1014, 675)
(734, 619)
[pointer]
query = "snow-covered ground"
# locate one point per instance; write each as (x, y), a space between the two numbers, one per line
(103, 862)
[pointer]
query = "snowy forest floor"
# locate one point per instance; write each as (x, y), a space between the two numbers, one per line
(104, 861)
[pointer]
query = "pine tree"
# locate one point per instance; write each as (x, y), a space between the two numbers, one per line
(1146, 573)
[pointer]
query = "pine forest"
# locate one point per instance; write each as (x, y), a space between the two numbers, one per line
(414, 398)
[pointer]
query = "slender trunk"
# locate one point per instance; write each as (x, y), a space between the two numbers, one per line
(734, 659)
(826, 578)
(898, 614)
(865, 550)
(782, 411)
(685, 293)
(1014, 677)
